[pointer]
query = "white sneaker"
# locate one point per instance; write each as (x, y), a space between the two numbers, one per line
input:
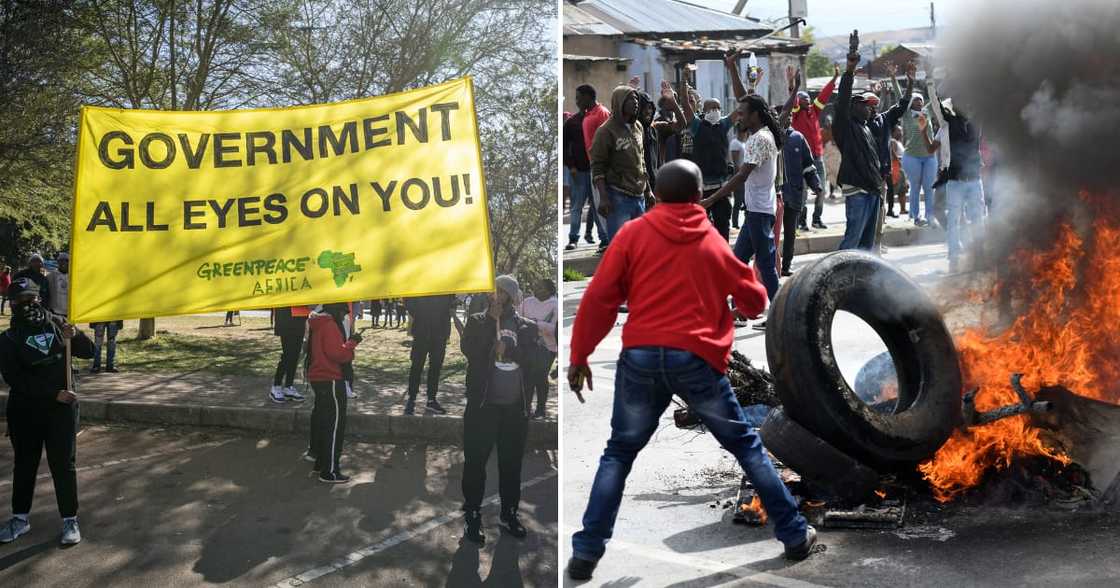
(292, 394)
(70, 533)
(276, 395)
(350, 393)
(11, 531)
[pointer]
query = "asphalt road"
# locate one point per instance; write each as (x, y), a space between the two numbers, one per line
(182, 507)
(673, 530)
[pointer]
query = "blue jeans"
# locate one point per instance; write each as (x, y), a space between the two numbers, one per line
(862, 212)
(623, 208)
(646, 381)
(759, 238)
(921, 172)
(967, 197)
(581, 195)
(100, 331)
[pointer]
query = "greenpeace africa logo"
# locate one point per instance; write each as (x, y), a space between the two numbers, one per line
(41, 342)
(340, 264)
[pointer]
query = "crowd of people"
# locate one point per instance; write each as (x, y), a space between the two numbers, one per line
(675, 269)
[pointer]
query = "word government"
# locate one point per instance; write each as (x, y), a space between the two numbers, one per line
(158, 150)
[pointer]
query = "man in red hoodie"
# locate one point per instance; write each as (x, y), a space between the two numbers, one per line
(806, 120)
(675, 272)
(329, 352)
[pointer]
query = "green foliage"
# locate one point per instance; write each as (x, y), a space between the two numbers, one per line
(817, 64)
(571, 275)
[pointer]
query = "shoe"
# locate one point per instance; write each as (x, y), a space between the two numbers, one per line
(410, 407)
(513, 525)
(759, 326)
(276, 395)
(800, 552)
(581, 569)
(112, 370)
(892, 214)
(882, 250)
(804, 227)
(623, 309)
(307, 456)
(473, 527)
(434, 407)
(589, 240)
(11, 531)
(920, 223)
(333, 478)
(786, 273)
(70, 533)
(290, 393)
(540, 413)
(602, 249)
(569, 246)
(95, 370)
(350, 393)
(817, 224)
(740, 323)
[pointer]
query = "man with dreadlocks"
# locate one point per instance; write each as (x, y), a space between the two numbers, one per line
(757, 172)
(41, 411)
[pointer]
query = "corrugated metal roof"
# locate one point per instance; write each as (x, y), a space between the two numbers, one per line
(662, 17)
(578, 22)
(570, 57)
(763, 46)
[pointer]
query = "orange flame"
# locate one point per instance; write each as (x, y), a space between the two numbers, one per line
(1066, 336)
(756, 507)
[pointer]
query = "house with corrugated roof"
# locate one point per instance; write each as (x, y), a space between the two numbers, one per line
(607, 42)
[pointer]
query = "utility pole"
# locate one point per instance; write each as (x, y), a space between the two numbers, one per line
(932, 21)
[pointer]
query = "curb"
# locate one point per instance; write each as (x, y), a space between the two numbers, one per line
(587, 263)
(377, 428)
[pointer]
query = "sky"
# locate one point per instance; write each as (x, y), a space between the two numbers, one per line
(837, 17)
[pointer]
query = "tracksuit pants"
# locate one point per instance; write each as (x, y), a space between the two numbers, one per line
(432, 352)
(485, 427)
(328, 424)
(291, 345)
(34, 424)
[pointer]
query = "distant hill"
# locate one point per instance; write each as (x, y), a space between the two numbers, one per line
(836, 47)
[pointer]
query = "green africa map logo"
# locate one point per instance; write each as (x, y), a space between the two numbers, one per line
(341, 265)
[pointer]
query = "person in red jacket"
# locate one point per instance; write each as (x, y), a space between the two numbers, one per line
(675, 272)
(329, 351)
(806, 120)
(5, 281)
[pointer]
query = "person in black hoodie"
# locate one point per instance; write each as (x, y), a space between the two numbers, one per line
(860, 175)
(41, 411)
(290, 328)
(431, 328)
(499, 346)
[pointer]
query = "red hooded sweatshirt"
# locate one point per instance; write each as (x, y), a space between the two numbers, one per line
(328, 350)
(675, 272)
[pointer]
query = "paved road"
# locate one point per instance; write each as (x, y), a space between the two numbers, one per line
(185, 507)
(669, 533)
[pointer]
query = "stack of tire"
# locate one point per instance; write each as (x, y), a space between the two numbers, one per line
(824, 431)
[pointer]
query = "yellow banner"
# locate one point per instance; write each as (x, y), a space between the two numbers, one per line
(190, 212)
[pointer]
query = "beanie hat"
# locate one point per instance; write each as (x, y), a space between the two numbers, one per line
(508, 284)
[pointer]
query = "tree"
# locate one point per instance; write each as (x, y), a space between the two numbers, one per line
(817, 64)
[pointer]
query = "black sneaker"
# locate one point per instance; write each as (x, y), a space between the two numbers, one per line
(786, 273)
(513, 525)
(333, 478)
(817, 224)
(473, 527)
(602, 249)
(800, 552)
(434, 407)
(589, 240)
(570, 246)
(409, 408)
(112, 370)
(541, 413)
(581, 569)
(804, 227)
(94, 370)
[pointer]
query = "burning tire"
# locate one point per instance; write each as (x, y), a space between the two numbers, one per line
(818, 462)
(814, 392)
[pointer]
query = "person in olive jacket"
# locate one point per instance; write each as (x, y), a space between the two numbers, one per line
(499, 346)
(41, 410)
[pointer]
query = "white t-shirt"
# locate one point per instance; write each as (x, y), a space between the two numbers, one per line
(762, 151)
(544, 314)
(943, 151)
(735, 145)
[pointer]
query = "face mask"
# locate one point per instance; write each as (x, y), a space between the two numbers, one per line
(712, 116)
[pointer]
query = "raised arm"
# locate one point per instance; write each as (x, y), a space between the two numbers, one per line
(667, 94)
(731, 60)
(793, 89)
(826, 91)
(844, 101)
(687, 113)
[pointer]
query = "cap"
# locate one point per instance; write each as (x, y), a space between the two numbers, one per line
(509, 285)
(22, 287)
(870, 98)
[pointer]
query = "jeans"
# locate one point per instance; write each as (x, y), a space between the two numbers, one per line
(789, 237)
(862, 212)
(581, 195)
(623, 208)
(921, 171)
(758, 238)
(966, 197)
(646, 380)
(100, 331)
(720, 215)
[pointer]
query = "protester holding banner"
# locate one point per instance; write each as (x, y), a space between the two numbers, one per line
(329, 351)
(500, 347)
(431, 328)
(290, 325)
(41, 410)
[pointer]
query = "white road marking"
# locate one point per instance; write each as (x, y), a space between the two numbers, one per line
(744, 576)
(127, 460)
(402, 537)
